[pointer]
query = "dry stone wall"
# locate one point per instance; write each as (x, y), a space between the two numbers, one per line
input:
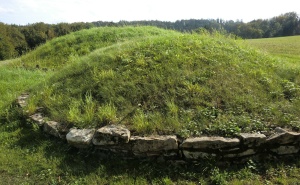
(118, 139)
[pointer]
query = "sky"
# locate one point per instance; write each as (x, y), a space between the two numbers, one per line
(22, 12)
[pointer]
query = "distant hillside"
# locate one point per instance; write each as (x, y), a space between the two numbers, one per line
(159, 81)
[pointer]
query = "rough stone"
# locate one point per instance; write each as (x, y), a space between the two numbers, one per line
(56, 129)
(252, 140)
(280, 130)
(111, 135)
(22, 99)
(153, 145)
(209, 143)
(194, 155)
(284, 150)
(124, 148)
(40, 110)
(241, 154)
(80, 138)
(37, 118)
(282, 137)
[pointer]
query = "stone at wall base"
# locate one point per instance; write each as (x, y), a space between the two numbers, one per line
(38, 119)
(111, 135)
(56, 129)
(210, 143)
(154, 145)
(80, 138)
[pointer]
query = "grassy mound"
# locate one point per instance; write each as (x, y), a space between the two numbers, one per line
(56, 53)
(188, 84)
(21, 74)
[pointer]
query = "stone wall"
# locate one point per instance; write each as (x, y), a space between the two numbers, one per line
(118, 139)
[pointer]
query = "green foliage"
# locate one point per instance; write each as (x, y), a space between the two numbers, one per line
(107, 114)
(12, 42)
(218, 178)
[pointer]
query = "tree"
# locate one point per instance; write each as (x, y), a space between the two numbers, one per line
(35, 34)
(18, 40)
(6, 48)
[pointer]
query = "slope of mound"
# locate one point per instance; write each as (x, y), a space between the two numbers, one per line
(186, 84)
(54, 54)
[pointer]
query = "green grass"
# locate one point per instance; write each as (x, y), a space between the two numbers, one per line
(29, 157)
(286, 47)
(187, 84)
(13, 82)
(63, 50)
(153, 81)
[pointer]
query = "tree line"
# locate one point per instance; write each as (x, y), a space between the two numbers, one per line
(16, 40)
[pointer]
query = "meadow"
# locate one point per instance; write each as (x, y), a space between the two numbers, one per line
(153, 81)
(285, 47)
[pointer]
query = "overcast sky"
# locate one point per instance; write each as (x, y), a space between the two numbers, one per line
(55, 11)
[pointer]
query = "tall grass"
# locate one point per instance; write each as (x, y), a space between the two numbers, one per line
(60, 51)
(13, 82)
(188, 84)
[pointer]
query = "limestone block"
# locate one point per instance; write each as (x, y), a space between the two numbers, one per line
(248, 152)
(194, 155)
(284, 150)
(111, 135)
(209, 143)
(56, 129)
(252, 140)
(282, 137)
(153, 145)
(37, 118)
(22, 99)
(80, 138)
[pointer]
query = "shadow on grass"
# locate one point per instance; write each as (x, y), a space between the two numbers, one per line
(79, 163)
(85, 164)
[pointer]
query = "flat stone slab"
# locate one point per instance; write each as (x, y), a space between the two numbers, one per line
(209, 143)
(22, 99)
(37, 118)
(285, 150)
(194, 155)
(124, 148)
(283, 137)
(252, 140)
(153, 145)
(111, 135)
(80, 138)
(56, 129)
(248, 152)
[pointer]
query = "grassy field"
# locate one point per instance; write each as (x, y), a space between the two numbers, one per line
(286, 47)
(153, 81)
